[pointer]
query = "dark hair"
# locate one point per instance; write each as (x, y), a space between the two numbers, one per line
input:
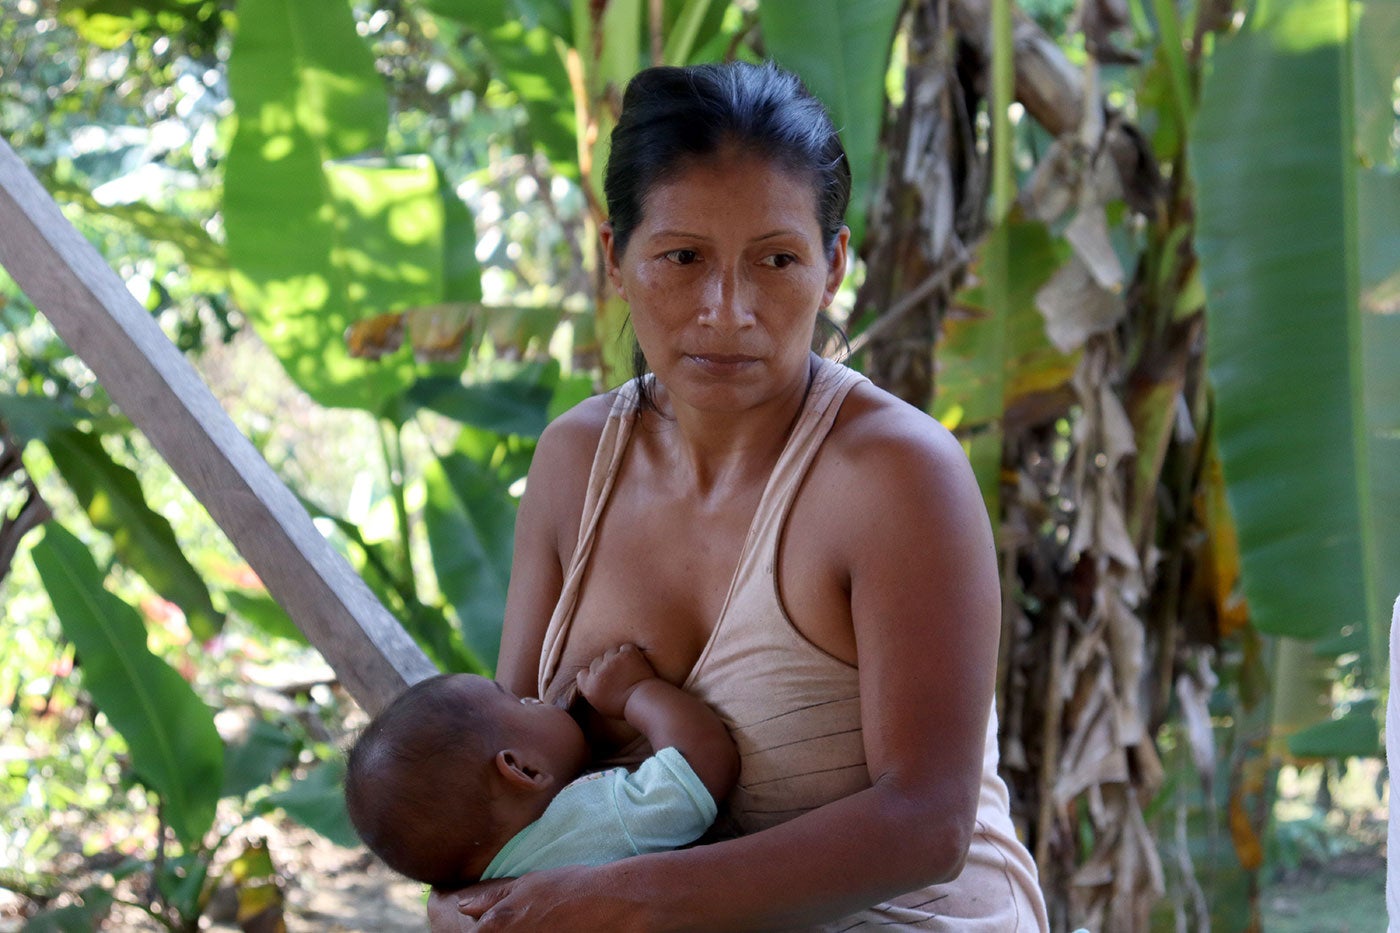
(671, 116)
(417, 784)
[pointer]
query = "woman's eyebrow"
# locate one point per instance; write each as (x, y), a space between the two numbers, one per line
(683, 234)
(774, 234)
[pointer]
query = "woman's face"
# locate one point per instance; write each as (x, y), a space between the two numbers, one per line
(724, 277)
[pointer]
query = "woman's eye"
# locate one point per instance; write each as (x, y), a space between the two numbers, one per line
(780, 260)
(683, 257)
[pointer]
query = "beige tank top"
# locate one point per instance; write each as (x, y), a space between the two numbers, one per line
(794, 710)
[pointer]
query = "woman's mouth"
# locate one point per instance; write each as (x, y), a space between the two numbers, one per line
(721, 361)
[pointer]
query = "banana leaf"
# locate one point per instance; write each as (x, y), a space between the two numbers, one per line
(1296, 241)
(840, 49)
(1303, 368)
(322, 232)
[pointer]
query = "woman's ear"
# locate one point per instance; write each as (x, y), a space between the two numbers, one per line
(836, 269)
(520, 773)
(611, 260)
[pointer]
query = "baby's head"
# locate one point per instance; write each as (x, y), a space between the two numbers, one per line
(451, 770)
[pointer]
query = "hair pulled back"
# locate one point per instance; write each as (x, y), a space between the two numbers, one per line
(672, 115)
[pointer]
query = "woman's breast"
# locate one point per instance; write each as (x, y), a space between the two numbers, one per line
(794, 713)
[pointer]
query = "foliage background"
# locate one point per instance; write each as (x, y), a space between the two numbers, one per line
(396, 204)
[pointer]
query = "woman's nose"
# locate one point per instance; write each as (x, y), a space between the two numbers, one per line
(727, 302)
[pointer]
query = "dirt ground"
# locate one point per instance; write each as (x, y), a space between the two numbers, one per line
(327, 889)
(334, 890)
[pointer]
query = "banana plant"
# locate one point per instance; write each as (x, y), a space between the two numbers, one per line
(1299, 208)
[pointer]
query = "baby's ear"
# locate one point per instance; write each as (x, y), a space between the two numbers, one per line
(518, 772)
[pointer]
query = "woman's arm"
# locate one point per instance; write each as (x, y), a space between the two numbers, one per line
(926, 617)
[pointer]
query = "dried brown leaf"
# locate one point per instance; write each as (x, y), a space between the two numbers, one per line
(1076, 307)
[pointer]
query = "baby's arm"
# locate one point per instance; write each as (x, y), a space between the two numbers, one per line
(622, 684)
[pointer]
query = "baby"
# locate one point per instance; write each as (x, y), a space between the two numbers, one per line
(459, 780)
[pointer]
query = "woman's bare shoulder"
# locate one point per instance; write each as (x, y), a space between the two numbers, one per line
(576, 431)
(881, 436)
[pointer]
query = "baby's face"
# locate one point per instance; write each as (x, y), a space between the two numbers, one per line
(526, 723)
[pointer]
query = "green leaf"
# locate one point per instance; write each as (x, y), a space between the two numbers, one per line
(111, 496)
(316, 240)
(256, 758)
(840, 49)
(262, 611)
(1303, 371)
(441, 640)
(180, 881)
(470, 519)
(461, 273)
(175, 749)
(35, 417)
(518, 405)
(695, 22)
(1356, 734)
(317, 801)
(527, 58)
(111, 23)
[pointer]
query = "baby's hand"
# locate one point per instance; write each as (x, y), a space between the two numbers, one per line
(612, 676)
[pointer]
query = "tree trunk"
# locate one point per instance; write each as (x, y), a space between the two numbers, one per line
(930, 206)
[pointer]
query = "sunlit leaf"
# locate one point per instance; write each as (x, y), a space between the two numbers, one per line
(994, 362)
(461, 272)
(260, 897)
(528, 59)
(200, 250)
(319, 234)
(111, 23)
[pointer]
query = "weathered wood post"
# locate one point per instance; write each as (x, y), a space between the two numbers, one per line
(161, 393)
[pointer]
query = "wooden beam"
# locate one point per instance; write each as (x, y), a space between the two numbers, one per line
(161, 393)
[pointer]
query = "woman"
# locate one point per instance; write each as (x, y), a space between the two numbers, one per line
(800, 549)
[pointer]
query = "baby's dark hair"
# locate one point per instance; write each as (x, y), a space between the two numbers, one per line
(419, 785)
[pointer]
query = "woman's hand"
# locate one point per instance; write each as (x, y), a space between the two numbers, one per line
(443, 915)
(561, 900)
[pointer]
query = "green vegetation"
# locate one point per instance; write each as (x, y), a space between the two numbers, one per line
(1154, 298)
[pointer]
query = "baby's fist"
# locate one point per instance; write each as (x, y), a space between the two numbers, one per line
(611, 677)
